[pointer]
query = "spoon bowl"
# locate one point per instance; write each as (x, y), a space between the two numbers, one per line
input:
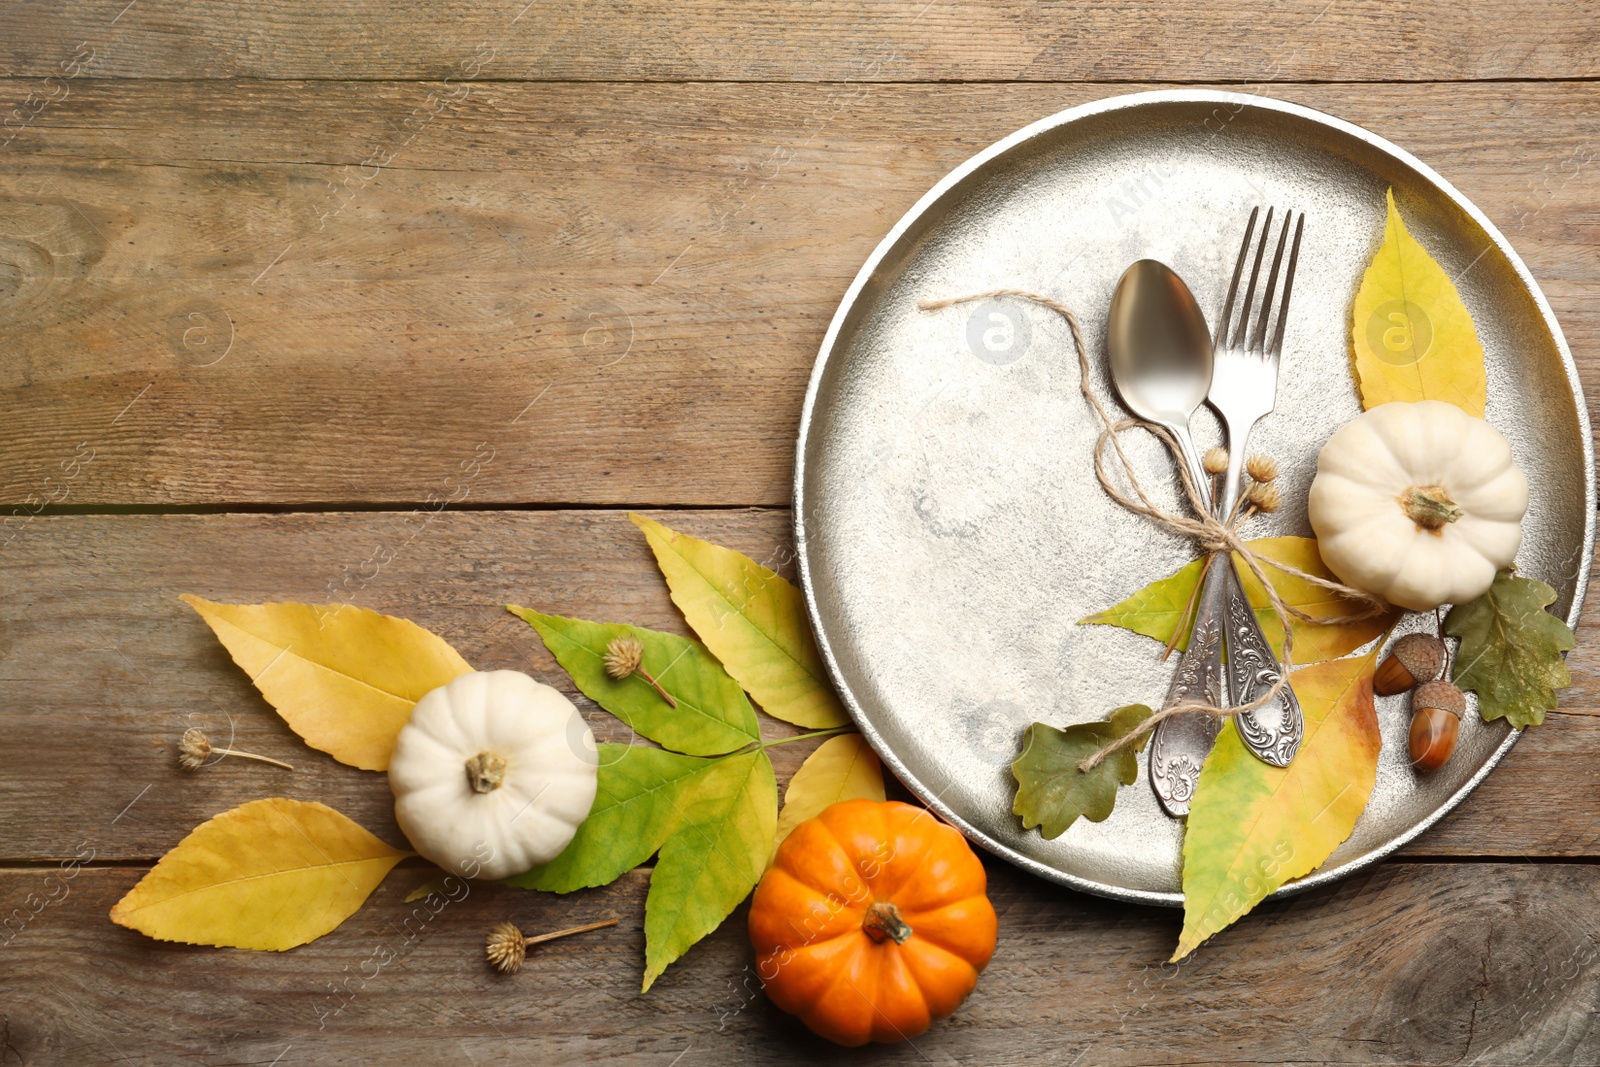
(1161, 356)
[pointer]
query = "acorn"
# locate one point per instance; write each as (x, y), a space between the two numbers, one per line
(1414, 659)
(1436, 710)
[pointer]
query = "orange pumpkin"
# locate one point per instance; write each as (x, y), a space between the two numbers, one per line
(872, 922)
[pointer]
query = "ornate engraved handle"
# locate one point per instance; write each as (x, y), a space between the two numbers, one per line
(1180, 744)
(1272, 731)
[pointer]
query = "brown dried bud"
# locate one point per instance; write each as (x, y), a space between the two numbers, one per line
(1261, 468)
(506, 948)
(623, 656)
(1263, 497)
(1414, 659)
(1215, 460)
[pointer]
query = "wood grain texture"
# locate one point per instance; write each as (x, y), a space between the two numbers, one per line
(619, 290)
(103, 667)
(904, 40)
(1410, 963)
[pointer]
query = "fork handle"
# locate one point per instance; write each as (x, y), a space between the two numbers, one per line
(1230, 486)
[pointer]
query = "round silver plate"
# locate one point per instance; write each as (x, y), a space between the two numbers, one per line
(950, 530)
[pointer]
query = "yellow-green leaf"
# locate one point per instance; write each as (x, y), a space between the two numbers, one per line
(344, 678)
(1156, 609)
(713, 715)
(842, 768)
(1252, 827)
(713, 859)
(270, 874)
(1412, 337)
(753, 621)
(641, 797)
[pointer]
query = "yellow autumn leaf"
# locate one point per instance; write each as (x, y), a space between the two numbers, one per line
(753, 621)
(270, 874)
(1252, 827)
(343, 678)
(842, 768)
(1157, 608)
(1412, 337)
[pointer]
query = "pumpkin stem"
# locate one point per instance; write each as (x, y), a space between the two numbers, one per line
(883, 921)
(485, 772)
(1429, 506)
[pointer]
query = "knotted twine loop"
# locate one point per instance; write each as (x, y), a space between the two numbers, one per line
(1212, 536)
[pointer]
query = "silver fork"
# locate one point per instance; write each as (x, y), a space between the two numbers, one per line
(1244, 388)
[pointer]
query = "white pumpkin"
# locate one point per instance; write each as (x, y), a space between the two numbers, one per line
(1418, 503)
(492, 774)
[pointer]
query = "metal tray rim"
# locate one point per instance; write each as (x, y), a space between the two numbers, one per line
(1135, 100)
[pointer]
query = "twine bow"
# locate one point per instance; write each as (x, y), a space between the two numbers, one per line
(1213, 536)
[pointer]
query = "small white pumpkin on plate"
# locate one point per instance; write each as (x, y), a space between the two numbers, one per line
(492, 774)
(1418, 503)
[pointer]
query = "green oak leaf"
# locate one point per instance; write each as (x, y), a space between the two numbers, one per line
(713, 859)
(1511, 647)
(713, 715)
(638, 802)
(1052, 793)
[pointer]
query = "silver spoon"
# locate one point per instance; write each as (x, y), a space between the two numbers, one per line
(1161, 355)
(1161, 364)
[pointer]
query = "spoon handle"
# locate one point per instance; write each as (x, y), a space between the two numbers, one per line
(1180, 744)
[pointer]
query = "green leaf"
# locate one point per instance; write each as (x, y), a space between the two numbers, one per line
(753, 621)
(1511, 647)
(1253, 827)
(639, 800)
(1052, 792)
(1156, 609)
(713, 715)
(713, 859)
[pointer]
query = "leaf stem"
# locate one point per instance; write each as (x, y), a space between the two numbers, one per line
(252, 755)
(831, 731)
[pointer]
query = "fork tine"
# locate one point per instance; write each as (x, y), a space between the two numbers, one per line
(1233, 287)
(1250, 290)
(1276, 348)
(1260, 333)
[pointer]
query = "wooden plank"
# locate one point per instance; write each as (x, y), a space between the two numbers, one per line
(618, 290)
(104, 668)
(909, 40)
(1410, 963)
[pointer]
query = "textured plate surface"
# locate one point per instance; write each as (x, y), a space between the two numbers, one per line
(949, 526)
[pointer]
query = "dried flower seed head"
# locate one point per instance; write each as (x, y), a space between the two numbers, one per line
(193, 748)
(1263, 496)
(623, 656)
(1261, 468)
(506, 948)
(1215, 460)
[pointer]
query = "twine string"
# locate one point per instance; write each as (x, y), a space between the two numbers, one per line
(1213, 536)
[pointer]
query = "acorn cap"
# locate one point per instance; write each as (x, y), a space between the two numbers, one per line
(1441, 695)
(1414, 658)
(1422, 654)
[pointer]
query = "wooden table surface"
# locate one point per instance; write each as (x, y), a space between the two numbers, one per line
(272, 273)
